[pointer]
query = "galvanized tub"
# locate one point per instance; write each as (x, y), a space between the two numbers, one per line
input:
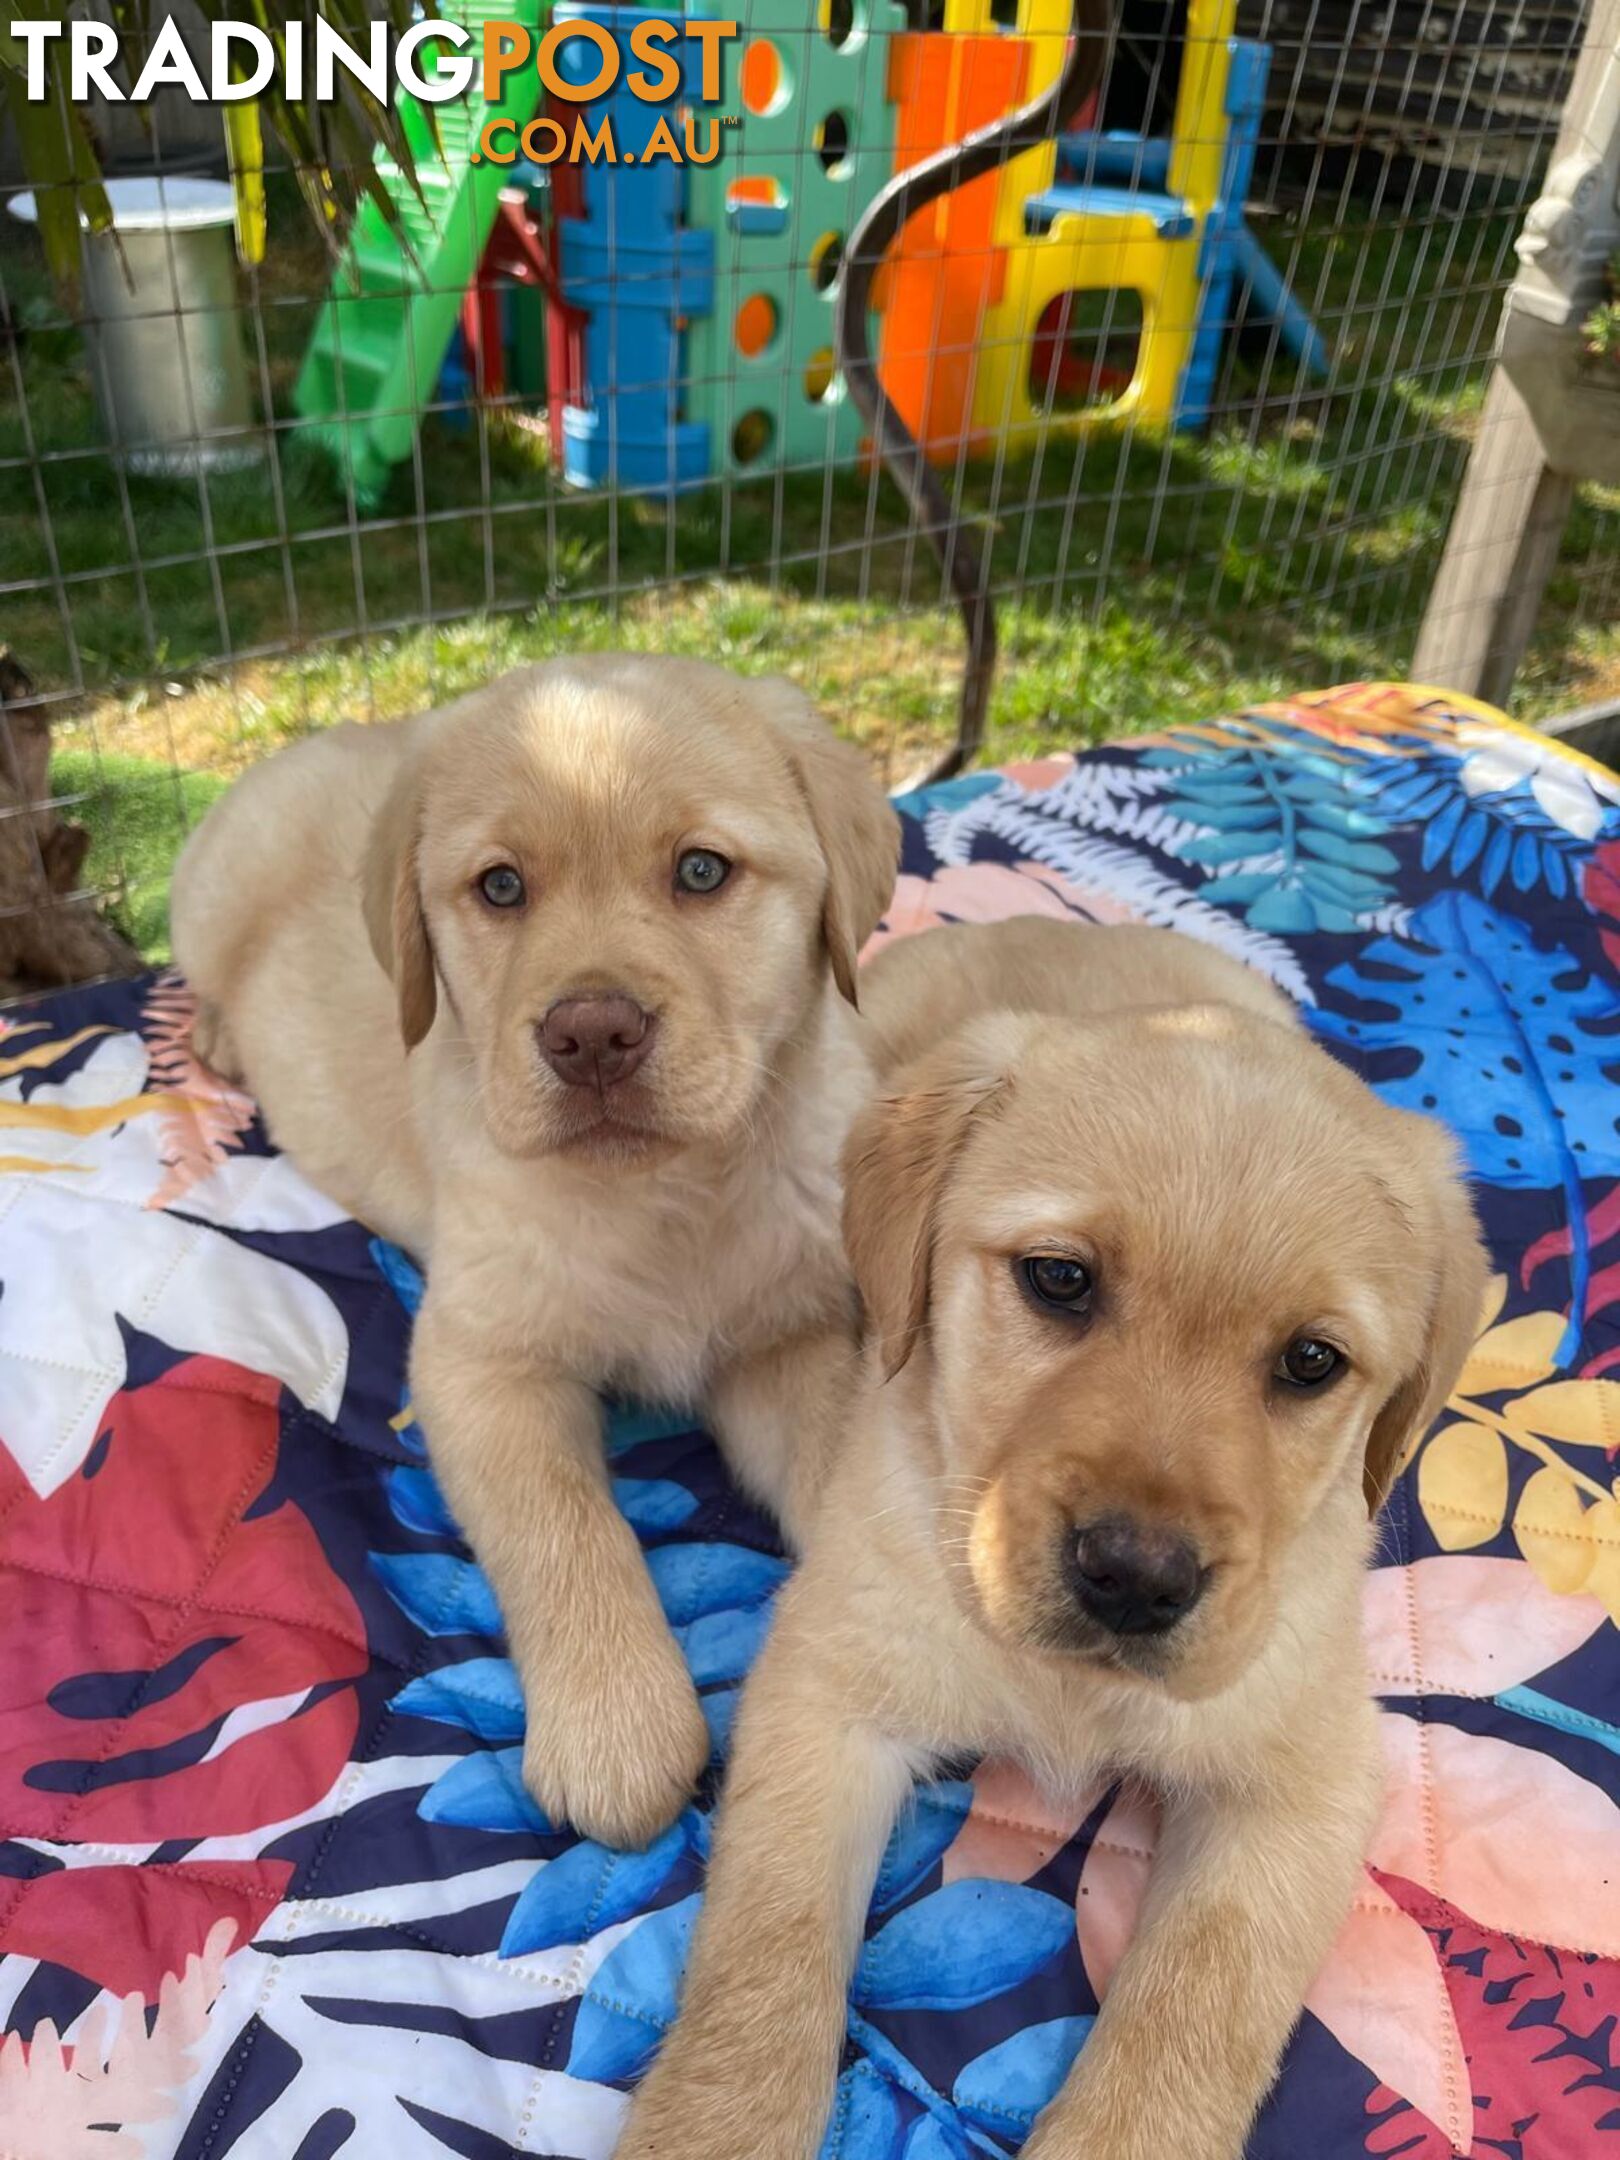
(163, 330)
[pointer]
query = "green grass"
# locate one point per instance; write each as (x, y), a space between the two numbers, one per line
(1152, 580)
(137, 812)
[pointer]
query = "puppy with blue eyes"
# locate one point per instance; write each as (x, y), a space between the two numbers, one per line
(1157, 1298)
(555, 986)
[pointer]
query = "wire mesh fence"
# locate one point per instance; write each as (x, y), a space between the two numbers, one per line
(1204, 374)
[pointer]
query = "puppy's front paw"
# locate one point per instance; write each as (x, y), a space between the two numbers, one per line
(615, 1751)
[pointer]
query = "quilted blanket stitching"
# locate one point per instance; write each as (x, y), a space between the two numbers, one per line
(302, 1898)
(1453, 2070)
(250, 1487)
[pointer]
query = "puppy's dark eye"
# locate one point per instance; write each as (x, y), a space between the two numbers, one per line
(701, 870)
(1307, 1362)
(502, 887)
(1057, 1281)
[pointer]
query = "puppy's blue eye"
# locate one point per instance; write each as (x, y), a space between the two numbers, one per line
(1055, 1280)
(701, 870)
(502, 887)
(1308, 1362)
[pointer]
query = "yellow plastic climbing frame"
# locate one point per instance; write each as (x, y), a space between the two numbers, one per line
(1135, 245)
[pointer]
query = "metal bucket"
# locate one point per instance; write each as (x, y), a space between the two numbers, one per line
(162, 327)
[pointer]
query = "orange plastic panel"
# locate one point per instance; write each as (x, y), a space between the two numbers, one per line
(945, 269)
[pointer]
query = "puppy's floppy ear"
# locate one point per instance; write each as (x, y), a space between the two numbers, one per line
(1454, 1273)
(854, 822)
(391, 900)
(897, 1161)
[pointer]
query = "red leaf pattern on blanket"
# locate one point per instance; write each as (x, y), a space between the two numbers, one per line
(1603, 1291)
(125, 1927)
(176, 1648)
(1538, 2028)
(205, 1118)
(1601, 892)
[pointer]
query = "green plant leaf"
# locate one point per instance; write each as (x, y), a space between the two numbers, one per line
(244, 143)
(333, 149)
(57, 157)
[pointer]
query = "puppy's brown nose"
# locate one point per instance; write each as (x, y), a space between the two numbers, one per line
(595, 1041)
(1133, 1579)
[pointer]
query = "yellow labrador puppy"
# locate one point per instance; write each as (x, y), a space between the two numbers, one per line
(1156, 1300)
(554, 986)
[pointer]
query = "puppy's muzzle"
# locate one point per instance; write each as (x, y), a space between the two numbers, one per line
(1133, 1579)
(596, 1041)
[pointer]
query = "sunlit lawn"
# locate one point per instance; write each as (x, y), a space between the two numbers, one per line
(1144, 580)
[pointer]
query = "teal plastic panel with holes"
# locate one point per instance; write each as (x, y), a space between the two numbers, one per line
(814, 143)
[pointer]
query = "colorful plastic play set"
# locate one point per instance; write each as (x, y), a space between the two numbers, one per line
(676, 319)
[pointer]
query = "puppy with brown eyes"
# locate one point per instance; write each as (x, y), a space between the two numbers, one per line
(555, 986)
(1157, 1299)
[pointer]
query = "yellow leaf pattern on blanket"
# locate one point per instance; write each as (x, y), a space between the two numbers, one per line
(42, 1054)
(1566, 1521)
(1581, 1413)
(1603, 1527)
(1551, 1524)
(77, 1118)
(1516, 1354)
(1463, 1485)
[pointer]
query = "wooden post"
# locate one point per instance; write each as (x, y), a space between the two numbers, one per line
(1499, 554)
(1510, 517)
(50, 931)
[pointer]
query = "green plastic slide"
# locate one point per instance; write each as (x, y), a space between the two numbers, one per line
(381, 336)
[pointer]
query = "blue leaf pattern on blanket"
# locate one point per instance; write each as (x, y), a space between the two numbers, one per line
(415, 1498)
(722, 1645)
(931, 2139)
(443, 1595)
(866, 2120)
(654, 1503)
(484, 1792)
(631, 2002)
(1534, 1035)
(482, 1695)
(920, 1839)
(960, 1946)
(1468, 993)
(694, 1581)
(1007, 2086)
(590, 1887)
(1293, 846)
(1490, 836)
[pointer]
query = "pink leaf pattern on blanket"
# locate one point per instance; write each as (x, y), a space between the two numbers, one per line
(1540, 2029)
(56, 2101)
(204, 1117)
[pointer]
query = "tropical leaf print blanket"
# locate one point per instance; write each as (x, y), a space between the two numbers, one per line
(270, 1885)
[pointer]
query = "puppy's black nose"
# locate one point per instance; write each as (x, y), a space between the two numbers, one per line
(1133, 1579)
(595, 1041)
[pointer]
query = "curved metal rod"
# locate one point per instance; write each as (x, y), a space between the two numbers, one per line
(959, 552)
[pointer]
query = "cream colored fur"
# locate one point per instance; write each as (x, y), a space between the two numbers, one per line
(1232, 1189)
(677, 1239)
